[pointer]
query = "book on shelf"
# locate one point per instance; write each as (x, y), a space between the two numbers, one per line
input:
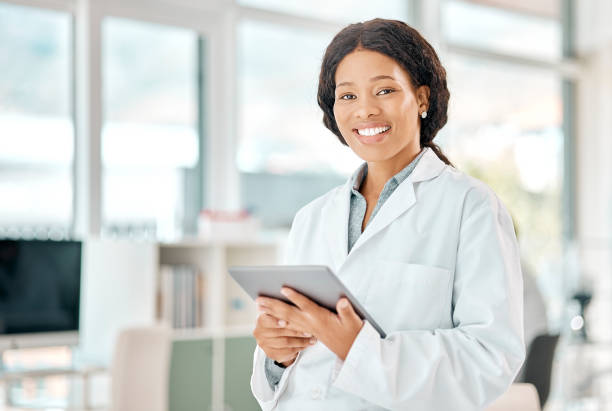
(181, 296)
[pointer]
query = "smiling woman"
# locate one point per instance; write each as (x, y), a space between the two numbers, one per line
(430, 251)
(413, 70)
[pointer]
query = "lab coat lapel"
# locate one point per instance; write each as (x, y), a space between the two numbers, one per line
(335, 216)
(403, 198)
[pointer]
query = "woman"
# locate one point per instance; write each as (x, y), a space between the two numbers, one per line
(429, 251)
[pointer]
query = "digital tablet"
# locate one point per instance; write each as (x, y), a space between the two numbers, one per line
(316, 282)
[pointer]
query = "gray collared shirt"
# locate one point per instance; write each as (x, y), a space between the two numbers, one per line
(358, 201)
(357, 212)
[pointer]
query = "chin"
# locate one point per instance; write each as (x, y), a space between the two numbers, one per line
(374, 154)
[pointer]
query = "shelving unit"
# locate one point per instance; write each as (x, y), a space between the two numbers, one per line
(228, 311)
(227, 307)
(120, 289)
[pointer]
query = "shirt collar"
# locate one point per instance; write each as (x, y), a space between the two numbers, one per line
(360, 174)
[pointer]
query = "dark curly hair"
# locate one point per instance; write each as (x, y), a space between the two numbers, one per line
(410, 50)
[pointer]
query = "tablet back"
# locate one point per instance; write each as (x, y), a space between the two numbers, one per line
(316, 282)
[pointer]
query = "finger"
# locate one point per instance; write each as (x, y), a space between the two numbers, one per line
(273, 345)
(270, 322)
(282, 332)
(303, 302)
(276, 308)
(345, 310)
(289, 342)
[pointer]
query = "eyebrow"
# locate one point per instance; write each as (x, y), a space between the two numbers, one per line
(376, 78)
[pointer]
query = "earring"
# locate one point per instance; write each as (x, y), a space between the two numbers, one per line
(424, 114)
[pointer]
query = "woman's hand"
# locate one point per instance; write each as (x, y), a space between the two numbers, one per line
(336, 331)
(280, 342)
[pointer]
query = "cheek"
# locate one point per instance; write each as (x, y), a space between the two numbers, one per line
(406, 103)
(340, 114)
(407, 112)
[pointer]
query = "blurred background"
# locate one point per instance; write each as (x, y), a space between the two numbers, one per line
(146, 145)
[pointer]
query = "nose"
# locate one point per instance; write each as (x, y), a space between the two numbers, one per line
(366, 107)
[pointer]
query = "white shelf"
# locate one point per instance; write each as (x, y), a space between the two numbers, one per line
(266, 239)
(202, 333)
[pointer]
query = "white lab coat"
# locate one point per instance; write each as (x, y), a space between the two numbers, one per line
(438, 268)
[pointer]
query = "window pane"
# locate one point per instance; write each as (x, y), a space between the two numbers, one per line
(515, 144)
(36, 122)
(502, 30)
(150, 146)
(340, 10)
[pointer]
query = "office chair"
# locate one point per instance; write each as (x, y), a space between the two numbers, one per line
(140, 369)
(519, 397)
(539, 362)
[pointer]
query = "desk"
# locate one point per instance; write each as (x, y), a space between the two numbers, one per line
(85, 372)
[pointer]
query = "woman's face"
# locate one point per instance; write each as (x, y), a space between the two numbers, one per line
(377, 108)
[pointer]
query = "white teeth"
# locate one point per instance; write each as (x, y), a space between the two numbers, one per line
(372, 131)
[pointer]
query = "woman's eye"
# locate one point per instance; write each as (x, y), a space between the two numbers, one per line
(385, 91)
(347, 97)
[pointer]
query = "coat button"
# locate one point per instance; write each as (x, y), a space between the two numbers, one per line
(315, 393)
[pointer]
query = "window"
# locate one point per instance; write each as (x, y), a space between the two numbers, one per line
(36, 122)
(514, 143)
(514, 28)
(150, 143)
(281, 129)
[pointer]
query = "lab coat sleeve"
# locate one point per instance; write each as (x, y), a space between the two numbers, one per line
(466, 367)
(265, 396)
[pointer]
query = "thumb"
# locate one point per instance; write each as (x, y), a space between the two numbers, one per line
(345, 309)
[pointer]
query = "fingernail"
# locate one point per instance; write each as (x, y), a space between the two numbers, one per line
(260, 302)
(282, 323)
(285, 292)
(307, 335)
(343, 303)
(313, 341)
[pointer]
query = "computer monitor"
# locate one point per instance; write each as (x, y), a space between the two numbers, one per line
(40, 287)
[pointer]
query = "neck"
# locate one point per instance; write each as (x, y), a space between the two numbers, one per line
(379, 172)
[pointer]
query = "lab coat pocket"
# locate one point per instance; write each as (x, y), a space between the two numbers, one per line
(404, 296)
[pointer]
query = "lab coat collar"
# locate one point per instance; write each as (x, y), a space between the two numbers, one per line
(336, 212)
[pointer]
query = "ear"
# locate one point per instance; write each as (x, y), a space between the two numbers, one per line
(422, 97)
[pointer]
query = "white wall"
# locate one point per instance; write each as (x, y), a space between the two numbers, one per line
(118, 291)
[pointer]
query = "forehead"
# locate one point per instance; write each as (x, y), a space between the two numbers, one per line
(361, 65)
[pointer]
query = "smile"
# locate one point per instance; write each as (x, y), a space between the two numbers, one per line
(372, 131)
(372, 135)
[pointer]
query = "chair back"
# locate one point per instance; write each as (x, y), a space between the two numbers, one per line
(519, 397)
(539, 363)
(140, 369)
